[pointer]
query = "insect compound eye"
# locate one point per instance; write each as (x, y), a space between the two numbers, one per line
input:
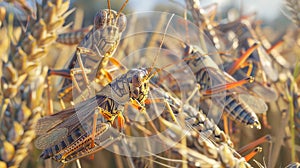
(137, 79)
(101, 19)
(121, 22)
(136, 92)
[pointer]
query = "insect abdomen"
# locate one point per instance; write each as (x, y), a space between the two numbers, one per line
(239, 111)
(51, 151)
(74, 37)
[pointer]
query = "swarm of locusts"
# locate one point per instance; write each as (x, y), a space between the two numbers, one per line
(147, 89)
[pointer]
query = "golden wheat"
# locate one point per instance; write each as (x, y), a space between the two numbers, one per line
(294, 7)
(23, 107)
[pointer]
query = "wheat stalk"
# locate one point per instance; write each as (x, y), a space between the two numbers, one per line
(23, 84)
(294, 8)
(198, 150)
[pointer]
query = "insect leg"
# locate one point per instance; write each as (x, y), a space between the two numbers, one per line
(78, 55)
(78, 163)
(265, 121)
(97, 110)
(167, 105)
(50, 102)
(266, 138)
(137, 105)
(277, 44)
(236, 65)
(227, 86)
(117, 63)
(66, 73)
(250, 155)
(121, 121)
(75, 146)
(225, 120)
(248, 64)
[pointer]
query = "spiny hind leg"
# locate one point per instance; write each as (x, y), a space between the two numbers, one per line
(255, 143)
(254, 152)
(94, 126)
(73, 148)
(227, 86)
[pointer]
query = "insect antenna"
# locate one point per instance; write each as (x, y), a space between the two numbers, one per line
(121, 9)
(109, 10)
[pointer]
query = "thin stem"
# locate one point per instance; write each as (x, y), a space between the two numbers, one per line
(292, 122)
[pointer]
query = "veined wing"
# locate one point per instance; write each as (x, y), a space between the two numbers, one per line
(266, 62)
(256, 88)
(58, 126)
(256, 104)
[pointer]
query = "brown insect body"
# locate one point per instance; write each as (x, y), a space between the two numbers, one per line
(73, 126)
(208, 75)
(73, 37)
(96, 49)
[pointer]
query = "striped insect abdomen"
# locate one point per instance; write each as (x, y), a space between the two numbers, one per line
(235, 108)
(51, 151)
(238, 110)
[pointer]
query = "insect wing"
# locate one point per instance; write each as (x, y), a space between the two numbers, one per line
(225, 78)
(47, 123)
(257, 88)
(48, 140)
(268, 94)
(58, 126)
(274, 53)
(255, 103)
(266, 63)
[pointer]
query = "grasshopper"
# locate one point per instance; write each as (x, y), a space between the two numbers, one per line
(93, 54)
(74, 133)
(66, 128)
(207, 71)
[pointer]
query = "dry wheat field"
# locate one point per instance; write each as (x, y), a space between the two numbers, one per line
(127, 83)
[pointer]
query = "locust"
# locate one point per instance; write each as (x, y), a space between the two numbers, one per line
(193, 117)
(63, 129)
(93, 54)
(212, 79)
(75, 132)
(237, 102)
